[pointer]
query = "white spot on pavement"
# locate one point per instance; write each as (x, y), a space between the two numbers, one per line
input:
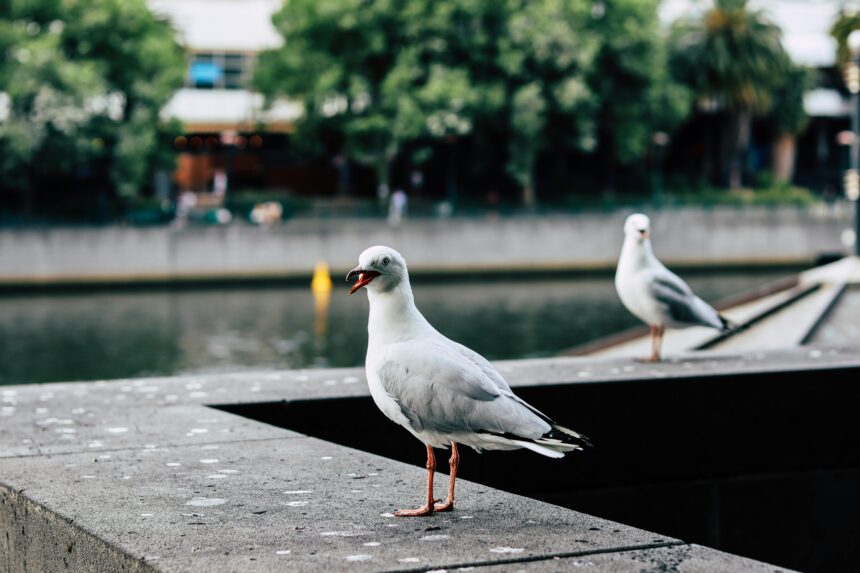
(209, 461)
(437, 537)
(298, 491)
(507, 550)
(326, 458)
(360, 557)
(409, 559)
(372, 544)
(173, 464)
(205, 501)
(283, 552)
(386, 515)
(118, 430)
(295, 503)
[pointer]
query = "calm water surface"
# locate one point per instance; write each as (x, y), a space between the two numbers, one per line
(61, 337)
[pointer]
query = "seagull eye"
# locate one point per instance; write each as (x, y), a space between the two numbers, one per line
(385, 262)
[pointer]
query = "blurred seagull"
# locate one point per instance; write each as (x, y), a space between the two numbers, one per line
(439, 390)
(655, 294)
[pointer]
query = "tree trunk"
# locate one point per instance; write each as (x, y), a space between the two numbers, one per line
(784, 149)
(740, 146)
(528, 195)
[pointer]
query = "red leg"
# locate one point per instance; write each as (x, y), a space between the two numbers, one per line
(658, 345)
(454, 463)
(655, 347)
(427, 508)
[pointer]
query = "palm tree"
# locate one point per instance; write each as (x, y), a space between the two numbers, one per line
(733, 58)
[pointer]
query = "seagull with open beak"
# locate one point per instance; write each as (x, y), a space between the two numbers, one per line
(440, 391)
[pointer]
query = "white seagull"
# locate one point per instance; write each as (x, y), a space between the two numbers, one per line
(653, 293)
(442, 392)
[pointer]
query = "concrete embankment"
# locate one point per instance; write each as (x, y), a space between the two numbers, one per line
(682, 237)
(181, 474)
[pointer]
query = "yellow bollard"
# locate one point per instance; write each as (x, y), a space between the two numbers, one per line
(322, 278)
(321, 289)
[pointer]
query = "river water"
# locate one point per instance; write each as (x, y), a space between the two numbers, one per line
(50, 337)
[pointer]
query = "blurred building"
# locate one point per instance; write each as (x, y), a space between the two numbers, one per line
(820, 158)
(227, 130)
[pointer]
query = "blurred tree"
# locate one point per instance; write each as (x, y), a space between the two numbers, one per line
(84, 82)
(788, 118)
(846, 22)
(637, 94)
(732, 57)
(362, 69)
(386, 72)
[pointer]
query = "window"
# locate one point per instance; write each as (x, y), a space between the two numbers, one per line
(221, 70)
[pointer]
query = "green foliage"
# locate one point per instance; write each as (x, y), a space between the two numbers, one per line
(638, 96)
(733, 55)
(845, 23)
(85, 81)
(382, 73)
(787, 112)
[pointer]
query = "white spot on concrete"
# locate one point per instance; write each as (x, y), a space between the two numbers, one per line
(283, 552)
(197, 394)
(507, 550)
(216, 476)
(198, 431)
(88, 477)
(386, 515)
(350, 380)
(326, 458)
(205, 501)
(173, 464)
(583, 563)
(360, 557)
(815, 354)
(409, 559)
(118, 430)
(298, 491)
(105, 457)
(66, 431)
(171, 398)
(146, 515)
(126, 477)
(338, 534)
(211, 447)
(466, 517)
(372, 544)
(228, 471)
(329, 382)
(295, 503)
(209, 461)
(436, 537)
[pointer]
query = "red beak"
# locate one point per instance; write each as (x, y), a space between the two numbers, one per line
(364, 278)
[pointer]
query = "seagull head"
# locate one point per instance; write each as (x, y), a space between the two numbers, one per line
(637, 226)
(379, 268)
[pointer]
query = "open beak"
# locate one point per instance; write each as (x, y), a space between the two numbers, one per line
(364, 278)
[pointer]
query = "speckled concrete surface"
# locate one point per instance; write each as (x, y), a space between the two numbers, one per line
(141, 475)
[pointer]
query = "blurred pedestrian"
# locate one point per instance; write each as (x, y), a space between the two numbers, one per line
(397, 207)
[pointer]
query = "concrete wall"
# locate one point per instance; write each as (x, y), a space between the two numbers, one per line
(682, 237)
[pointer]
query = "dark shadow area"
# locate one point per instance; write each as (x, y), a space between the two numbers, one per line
(766, 466)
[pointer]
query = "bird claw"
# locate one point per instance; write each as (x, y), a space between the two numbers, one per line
(440, 507)
(425, 509)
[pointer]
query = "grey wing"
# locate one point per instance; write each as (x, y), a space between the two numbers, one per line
(679, 302)
(438, 390)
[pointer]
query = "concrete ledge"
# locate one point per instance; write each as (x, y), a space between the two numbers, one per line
(141, 475)
(683, 237)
